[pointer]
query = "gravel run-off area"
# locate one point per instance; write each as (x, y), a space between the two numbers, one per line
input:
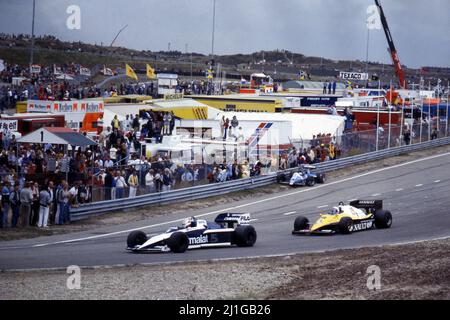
(413, 271)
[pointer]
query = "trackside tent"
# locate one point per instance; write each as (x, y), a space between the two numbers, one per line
(54, 135)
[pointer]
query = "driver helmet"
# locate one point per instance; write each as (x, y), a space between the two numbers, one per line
(334, 211)
(190, 222)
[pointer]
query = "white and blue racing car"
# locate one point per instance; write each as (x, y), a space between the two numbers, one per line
(228, 229)
(302, 176)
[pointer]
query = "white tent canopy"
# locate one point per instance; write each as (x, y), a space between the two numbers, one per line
(54, 135)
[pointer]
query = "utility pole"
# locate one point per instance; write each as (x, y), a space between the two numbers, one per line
(367, 54)
(213, 29)
(32, 35)
(446, 113)
(212, 39)
(377, 143)
(390, 118)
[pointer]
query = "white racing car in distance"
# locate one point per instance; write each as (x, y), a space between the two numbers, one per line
(228, 229)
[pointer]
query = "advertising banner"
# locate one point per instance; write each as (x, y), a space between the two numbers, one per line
(8, 125)
(173, 96)
(35, 68)
(85, 71)
(318, 101)
(354, 76)
(57, 70)
(64, 107)
(107, 71)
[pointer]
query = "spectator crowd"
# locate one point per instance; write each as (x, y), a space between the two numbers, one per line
(41, 183)
(323, 147)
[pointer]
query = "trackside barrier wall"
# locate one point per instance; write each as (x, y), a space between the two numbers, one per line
(216, 189)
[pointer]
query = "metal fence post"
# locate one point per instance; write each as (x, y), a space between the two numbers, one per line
(421, 122)
(446, 115)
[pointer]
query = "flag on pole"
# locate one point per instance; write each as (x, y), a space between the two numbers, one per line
(349, 85)
(210, 74)
(130, 72)
(150, 72)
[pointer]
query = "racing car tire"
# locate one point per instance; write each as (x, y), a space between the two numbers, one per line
(321, 178)
(136, 238)
(178, 242)
(383, 219)
(311, 182)
(345, 226)
(244, 236)
(301, 223)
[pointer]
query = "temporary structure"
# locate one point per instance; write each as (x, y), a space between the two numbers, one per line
(57, 135)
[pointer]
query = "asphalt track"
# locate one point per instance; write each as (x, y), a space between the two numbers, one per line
(417, 193)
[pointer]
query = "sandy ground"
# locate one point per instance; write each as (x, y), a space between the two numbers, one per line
(415, 271)
(138, 214)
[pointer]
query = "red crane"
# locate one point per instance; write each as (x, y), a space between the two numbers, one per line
(398, 66)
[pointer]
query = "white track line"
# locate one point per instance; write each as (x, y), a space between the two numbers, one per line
(321, 207)
(249, 204)
(437, 181)
(419, 185)
(399, 189)
(289, 213)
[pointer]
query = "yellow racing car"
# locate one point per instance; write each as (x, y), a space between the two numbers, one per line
(360, 215)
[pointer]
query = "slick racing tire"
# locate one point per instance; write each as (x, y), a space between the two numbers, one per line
(136, 238)
(178, 242)
(321, 178)
(383, 219)
(301, 223)
(345, 226)
(244, 236)
(311, 182)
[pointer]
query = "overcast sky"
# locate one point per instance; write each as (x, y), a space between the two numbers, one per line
(334, 29)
